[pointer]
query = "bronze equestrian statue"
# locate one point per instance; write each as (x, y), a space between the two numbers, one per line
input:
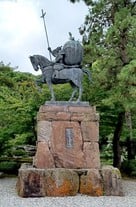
(66, 67)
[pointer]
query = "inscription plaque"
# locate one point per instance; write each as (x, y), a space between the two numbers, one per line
(69, 135)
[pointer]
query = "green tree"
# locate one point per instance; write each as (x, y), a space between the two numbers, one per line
(110, 48)
(19, 102)
(20, 99)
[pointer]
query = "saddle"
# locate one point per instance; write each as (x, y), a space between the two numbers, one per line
(60, 70)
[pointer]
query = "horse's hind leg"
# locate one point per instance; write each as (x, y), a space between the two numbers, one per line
(80, 93)
(73, 93)
(78, 84)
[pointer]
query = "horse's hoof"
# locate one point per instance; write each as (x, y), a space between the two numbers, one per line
(78, 101)
(52, 100)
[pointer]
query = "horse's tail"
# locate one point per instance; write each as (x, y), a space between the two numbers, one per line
(86, 71)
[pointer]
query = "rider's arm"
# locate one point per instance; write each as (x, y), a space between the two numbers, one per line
(50, 50)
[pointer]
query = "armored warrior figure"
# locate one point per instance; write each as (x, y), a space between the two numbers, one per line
(68, 56)
(58, 53)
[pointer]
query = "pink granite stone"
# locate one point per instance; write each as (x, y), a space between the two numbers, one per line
(67, 155)
(90, 131)
(92, 155)
(61, 182)
(43, 158)
(44, 130)
(91, 183)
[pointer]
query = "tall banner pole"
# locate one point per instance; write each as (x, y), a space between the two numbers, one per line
(43, 17)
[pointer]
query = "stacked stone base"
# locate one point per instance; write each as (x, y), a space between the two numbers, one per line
(67, 136)
(33, 182)
(67, 159)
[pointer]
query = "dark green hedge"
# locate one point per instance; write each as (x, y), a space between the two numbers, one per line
(9, 167)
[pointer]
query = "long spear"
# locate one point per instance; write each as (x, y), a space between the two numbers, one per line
(43, 15)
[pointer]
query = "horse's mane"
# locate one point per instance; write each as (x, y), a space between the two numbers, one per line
(43, 60)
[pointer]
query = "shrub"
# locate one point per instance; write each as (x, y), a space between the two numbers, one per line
(129, 167)
(19, 152)
(9, 167)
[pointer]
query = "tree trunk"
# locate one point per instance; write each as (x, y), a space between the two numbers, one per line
(131, 155)
(130, 137)
(116, 139)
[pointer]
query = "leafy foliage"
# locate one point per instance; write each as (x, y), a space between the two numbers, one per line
(9, 167)
(19, 100)
(129, 167)
(109, 34)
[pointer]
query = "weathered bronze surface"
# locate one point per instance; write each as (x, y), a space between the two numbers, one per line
(66, 67)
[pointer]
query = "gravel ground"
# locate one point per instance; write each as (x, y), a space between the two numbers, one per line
(9, 198)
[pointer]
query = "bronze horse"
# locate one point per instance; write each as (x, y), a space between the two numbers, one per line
(58, 74)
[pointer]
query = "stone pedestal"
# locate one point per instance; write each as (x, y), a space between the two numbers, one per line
(67, 137)
(35, 182)
(67, 159)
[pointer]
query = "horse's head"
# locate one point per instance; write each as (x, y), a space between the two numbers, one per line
(34, 62)
(39, 62)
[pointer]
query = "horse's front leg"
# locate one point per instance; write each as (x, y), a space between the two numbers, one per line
(51, 90)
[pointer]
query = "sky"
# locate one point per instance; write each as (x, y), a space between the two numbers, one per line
(22, 30)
